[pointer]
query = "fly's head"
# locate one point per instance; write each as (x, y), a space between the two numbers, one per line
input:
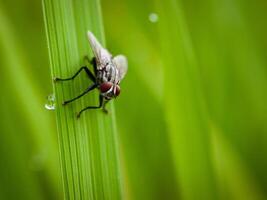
(109, 90)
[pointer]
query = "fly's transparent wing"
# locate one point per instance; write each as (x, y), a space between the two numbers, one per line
(102, 55)
(121, 64)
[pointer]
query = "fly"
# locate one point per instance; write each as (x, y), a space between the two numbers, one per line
(108, 73)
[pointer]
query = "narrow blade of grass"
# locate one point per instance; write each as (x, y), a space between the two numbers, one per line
(185, 113)
(27, 145)
(88, 146)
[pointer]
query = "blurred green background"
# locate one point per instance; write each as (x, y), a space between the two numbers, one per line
(192, 116)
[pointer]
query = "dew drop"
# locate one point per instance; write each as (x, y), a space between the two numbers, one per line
(153, 17)
(50, 103)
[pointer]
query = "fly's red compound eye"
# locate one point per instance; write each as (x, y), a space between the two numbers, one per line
(118, 90)
(104, 87)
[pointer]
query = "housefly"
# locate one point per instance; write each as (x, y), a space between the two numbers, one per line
(108, 73)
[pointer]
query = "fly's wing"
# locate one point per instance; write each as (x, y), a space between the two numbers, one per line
(121, 64)
(102, 55)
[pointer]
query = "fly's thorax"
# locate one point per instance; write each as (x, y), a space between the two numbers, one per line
(108, 73)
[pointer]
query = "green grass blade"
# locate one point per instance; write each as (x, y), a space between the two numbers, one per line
(88, 146)
(185, 113)
(27, 145)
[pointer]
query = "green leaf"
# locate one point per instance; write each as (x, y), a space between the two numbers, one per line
(185, 110)
(27, 146)
(88, 146)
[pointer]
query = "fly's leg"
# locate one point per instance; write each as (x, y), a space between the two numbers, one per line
(92, 107)
(88, 72)
(104, 107)
(86, 91)
(92, 62)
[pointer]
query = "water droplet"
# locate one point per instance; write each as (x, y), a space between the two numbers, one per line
(153, 17)
(50, 104)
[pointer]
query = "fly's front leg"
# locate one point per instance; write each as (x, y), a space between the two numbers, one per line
(88, 72)
(86, 91)
(92, 107)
